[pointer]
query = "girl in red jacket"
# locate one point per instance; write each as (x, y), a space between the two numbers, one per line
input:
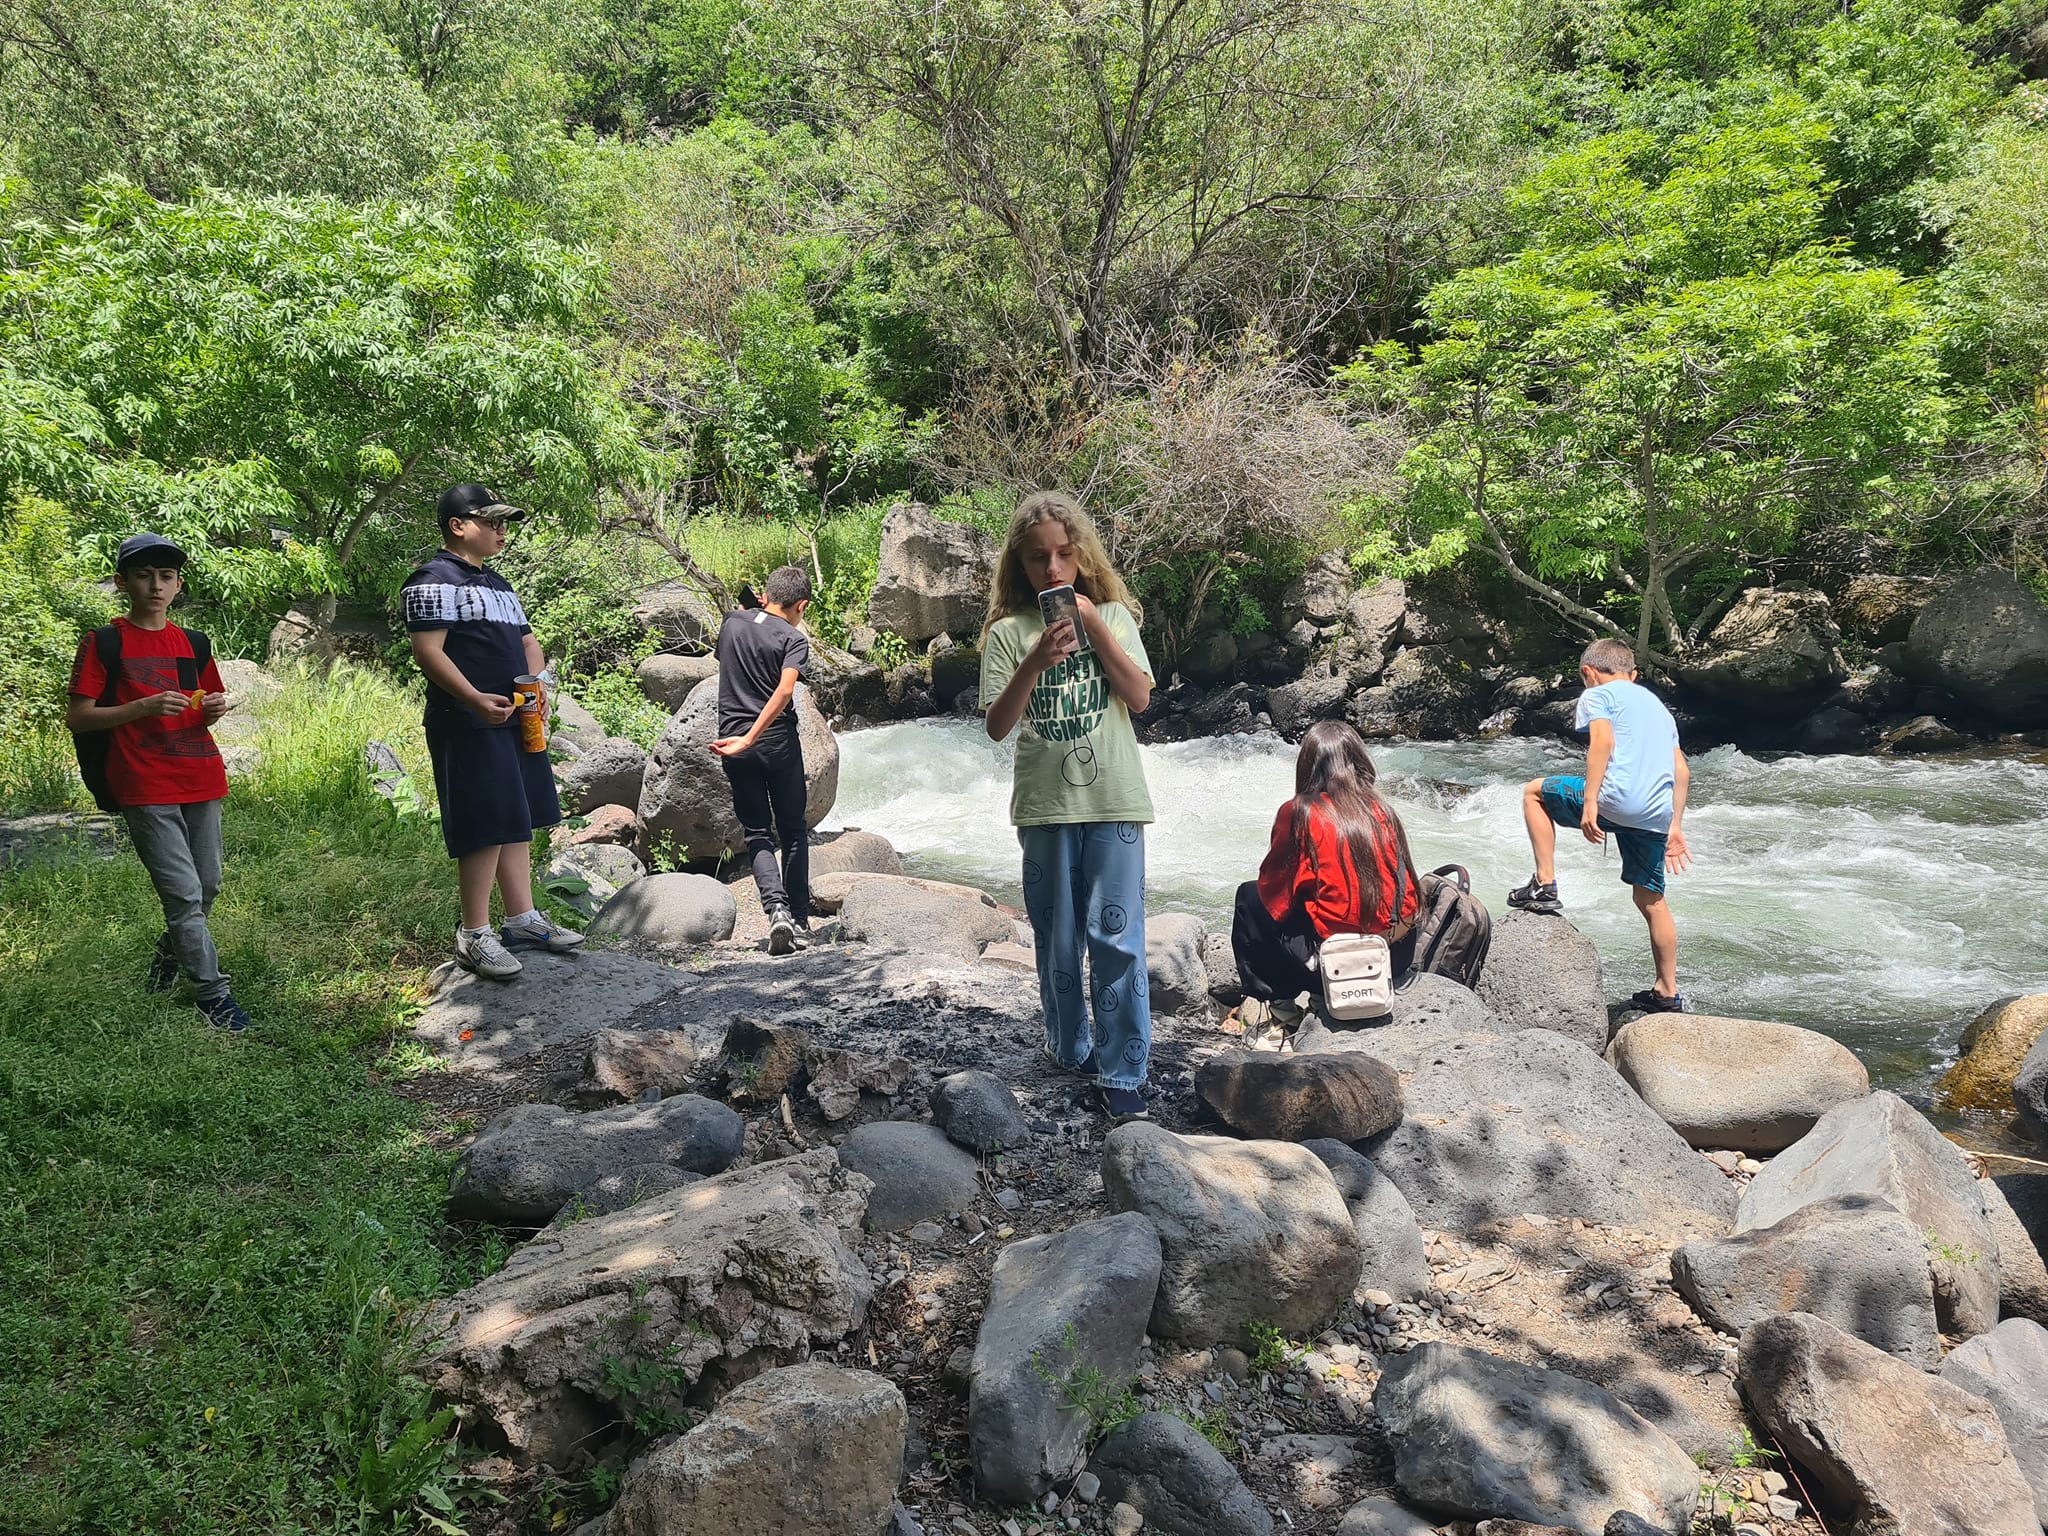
(1339, 863)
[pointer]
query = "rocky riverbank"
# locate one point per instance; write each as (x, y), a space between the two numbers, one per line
(1499, 1260)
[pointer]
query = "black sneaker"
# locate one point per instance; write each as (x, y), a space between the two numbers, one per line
(163, 967)
(1536, 897)
(1123, 1105)
(781, 931)
(224, 1012)
(1650, 1000)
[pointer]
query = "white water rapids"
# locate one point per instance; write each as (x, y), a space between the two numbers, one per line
(1884, 901)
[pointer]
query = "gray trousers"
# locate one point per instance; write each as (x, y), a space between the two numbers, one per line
(180, 847)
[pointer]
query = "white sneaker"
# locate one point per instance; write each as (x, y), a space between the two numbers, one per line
(482, 953)
(781, 931)
(535, 930)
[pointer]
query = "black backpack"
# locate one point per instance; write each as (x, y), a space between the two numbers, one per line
(1454, 930)
(92, 747)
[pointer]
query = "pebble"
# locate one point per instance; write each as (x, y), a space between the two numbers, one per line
(1087, 1487)
(927, 1232)
(1125, 1521)
(1783, 1508)
(1009, 1199)
(1233, 1362)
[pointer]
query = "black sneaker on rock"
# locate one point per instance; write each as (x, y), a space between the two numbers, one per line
(1650, 1000)
(1536, 896)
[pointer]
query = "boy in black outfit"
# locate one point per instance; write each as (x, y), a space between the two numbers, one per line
(470, 637)
(761, 656)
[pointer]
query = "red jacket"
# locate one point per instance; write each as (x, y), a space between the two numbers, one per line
(1322, 880)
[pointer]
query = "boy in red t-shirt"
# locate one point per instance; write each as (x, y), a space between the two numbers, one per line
(163, 767)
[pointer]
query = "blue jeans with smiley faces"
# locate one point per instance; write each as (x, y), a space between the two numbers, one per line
(1084, 888)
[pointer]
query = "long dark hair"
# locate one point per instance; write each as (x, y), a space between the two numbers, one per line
(1334, 773)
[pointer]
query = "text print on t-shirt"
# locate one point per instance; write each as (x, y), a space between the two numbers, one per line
(1067, 703)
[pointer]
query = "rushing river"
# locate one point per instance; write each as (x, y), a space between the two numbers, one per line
(1884, 901)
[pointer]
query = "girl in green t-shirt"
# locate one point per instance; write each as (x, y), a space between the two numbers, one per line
(1079, 800)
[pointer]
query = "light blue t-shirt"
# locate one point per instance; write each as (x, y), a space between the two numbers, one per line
(1640, 775)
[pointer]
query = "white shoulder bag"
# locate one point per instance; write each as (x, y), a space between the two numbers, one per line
(1358, 975)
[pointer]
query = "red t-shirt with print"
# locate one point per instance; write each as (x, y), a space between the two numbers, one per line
(160, 759)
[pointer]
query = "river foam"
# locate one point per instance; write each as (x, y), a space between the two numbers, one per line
(1882, 900)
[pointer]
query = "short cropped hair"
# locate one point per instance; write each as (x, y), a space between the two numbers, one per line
(1610, 656)
(787, 585)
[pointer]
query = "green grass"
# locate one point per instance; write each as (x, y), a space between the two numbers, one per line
(211, 1249)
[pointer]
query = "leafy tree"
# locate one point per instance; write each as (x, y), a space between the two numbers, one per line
(1672, 375)
(288, 381)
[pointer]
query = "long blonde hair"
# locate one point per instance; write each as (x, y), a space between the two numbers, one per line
(1011, 590)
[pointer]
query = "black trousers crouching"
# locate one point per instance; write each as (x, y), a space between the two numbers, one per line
(1273, 958)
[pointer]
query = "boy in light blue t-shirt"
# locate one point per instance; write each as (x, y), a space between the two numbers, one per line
(1634, 786)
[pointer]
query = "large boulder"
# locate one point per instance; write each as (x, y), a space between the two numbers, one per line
(1542, 973)
(2022, 1272)
(1477, 1436)
(931, 576)
(320, 631)
(1178, 979)
(1430, 1012)
(978, 1112)
(1852, 1260)
(1536, 1123)
(1878, 610)
(608, 773)
(587, 875)
(756, 1266)
(2008, 1368)
(530, 1159)
(496, 1029)
(685, 798)
(1983, 638)
(855, 853)
(1739, 1084)
(623, 1066)
(1372, 623)
(670, 913)
(1297, 705)
(1994, 1047)
(2030, 1091)
(1343, 1096)
(1883, 1147)
(1903, 1452)
(1319, 594)
(1253, 1231)
(1392, 1254)
(812, 1448)
(678, 614)
(898, 914)
(668, 679)
(917, 1173)
(1160, 1466)
(829, 892)
(1431, 693)
(1777, 651)
(1063, 1311)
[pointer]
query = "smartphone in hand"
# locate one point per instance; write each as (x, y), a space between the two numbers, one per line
(1058, 603)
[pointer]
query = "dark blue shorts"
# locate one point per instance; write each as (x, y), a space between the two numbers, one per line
(490, 791)
(1642, 853)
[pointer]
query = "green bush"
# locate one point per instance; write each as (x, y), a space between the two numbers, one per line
(614, 696)
(46, 604)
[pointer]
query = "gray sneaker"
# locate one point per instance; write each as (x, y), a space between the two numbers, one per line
(482, 953)
(536, 930)
(781, 931)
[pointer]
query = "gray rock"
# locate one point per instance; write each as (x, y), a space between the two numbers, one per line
(1163, 1468)
(1537, 1123)
(1345, 1096)
(611, 825)
(1878, 609)
(1992, 1052)
(1622, 1523)
(494, 1029)
(1392, 1255)
(679, 614)
(754, 1267)
(1220, 963)
(320, 631)
(685, 800)
(621, 1190)
(1542, 973)
(2030, 1091)
(1739, 1084)
(1300, 704)
(1252, 1231)
(977, 1111)
(1320, 593)
(601, 869)
(1776, 651)
(622, 1065)
(669, 913)
(764, 1060)
(1833, 731)
(1904, 1451)
(1852, 1260)
(1984, 638)
(1372, 622)
(574, 724)
(896, 914)
(837, 1078)
(1173, 963)
(1476, 1436)
(918, 1174)
(1884, 1147)
(854, 853)
(812, 1448)
(1383, 1517)
(667, 679)
(2008, 1368)
(1062, 1310)
(526, 1163)
(1922, 734)
(931, 576)
(1430, 1012)
(1433, 694)
(608, 773)
(2022, 1274)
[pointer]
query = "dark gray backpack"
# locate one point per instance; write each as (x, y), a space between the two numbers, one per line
(1454, 930)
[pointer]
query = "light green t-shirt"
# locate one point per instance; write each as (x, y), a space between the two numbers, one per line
(1077, 756)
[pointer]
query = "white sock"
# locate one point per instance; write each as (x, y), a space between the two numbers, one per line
(473, 932)
(530, 918)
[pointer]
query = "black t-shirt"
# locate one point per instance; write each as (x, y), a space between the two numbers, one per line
(754, 649)
(486, 628)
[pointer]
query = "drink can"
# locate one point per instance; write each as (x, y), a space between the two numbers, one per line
(531, 696)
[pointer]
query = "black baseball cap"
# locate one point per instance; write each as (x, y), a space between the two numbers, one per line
(467, 499)
(151, 549)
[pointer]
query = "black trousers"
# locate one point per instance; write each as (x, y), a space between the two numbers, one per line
(768, 797)
(1272, 958)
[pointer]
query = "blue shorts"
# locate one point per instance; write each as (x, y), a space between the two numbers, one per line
(1642, 852)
